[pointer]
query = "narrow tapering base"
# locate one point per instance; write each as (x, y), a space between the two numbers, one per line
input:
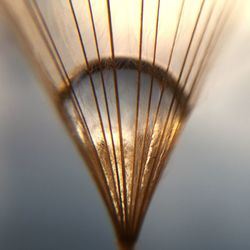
(121, 245)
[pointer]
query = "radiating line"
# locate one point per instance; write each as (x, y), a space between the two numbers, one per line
(75, 101)
(182, 69)
(190, 42)
(118, 111)
(94, 93)
(156, 180)
(107, 110)
(186, 56)
(194, 56)
(176, 33)
(218, 29)
(221, 20)
(169, 61)
(178, 81)
(137, 114)
(204, 31)
(141, 168)
(206, 54)
(128, 203)
(170, 109)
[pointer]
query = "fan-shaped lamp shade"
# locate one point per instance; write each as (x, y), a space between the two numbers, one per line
(124, 75)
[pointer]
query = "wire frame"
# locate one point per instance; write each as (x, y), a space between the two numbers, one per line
(124, 75)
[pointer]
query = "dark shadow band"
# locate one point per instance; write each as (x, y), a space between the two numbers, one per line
(157, 72)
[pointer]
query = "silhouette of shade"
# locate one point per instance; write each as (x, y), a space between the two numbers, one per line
(123, 75)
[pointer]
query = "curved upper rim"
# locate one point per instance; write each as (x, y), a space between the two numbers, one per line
(157, 72)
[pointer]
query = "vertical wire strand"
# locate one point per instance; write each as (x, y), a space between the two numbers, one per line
(217, 30)
(169, 61)
(184, 63)
(221, 21)
(170, 109)
(168, 65)
(137, 112)
(156, 180)
(178, 81)
(93, 90)
(192, 63)
(141, 168)
(107, 111)
(118, 111)
(200, 41)
(167, 70)
(128, 212)
(68, 83)
(194, 57)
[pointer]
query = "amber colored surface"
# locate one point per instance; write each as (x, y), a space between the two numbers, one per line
(126, 151)
(123, 75)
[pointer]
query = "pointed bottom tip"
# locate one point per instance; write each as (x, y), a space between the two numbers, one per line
(126, 244)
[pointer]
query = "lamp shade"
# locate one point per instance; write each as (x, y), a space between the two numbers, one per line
(124, 76)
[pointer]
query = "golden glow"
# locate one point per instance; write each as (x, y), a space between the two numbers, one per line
(125, 148)
(129, 173)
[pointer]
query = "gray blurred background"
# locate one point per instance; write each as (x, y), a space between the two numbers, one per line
(48, 200)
